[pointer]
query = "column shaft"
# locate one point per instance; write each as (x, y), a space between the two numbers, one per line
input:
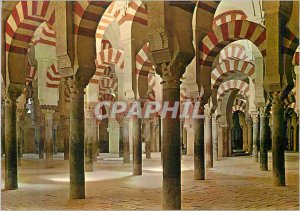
(278, 142)
(171, 149)
(264, 122)
(49, 136)
(250, 136)
(199, 153)
(137, 147)
(255, 137)
(208, 140)
(215, 138)
(126, 148)
(11, 156)
(77, 178)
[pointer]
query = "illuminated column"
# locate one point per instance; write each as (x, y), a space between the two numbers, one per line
(215, 137)
(125, 135)
(255, 119)
(147, 137)
(199, 152)
(48, 112)
(250, 134)
(90, 133)
(208, 139)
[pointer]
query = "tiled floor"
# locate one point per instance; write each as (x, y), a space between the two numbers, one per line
(233, 183)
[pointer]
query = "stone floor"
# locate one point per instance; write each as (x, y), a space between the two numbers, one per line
(234, 183)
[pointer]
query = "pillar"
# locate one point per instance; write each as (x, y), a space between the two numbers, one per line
(199, 152)
(11, 162)
(295, 136)
(264, 122)
(65, 122)
(255, 119)
(278, 142)
(215, 137)
(126, 147)
(77, 178)
(171, 146)
(90, 136)
(20, 122)
(147, 138)
(250, 134)
(48, 115)
(153, 134)
(137, 146)
(121, 147)
(208, 139)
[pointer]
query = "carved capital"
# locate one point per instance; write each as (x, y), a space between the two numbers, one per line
(75, 85)
(255, 117)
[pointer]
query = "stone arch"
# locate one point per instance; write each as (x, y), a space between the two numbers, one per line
(239, 105)
(108, 83)
(87, 16)
(232, 84)
(220, 37)
(228, 16)
(20, 26)
(233, 51)
(219, 74)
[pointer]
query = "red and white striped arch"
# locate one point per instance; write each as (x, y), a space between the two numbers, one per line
(233, 51)
(104, 59)
(151, 82)
(107, 97)
(230, 85)
(239, 105)
(107, 83)
(44, 34)
(136, 12)
(87, 16)
(53, 77)
(226, 33)
(229, 16)
(25, 17)
(227, 67)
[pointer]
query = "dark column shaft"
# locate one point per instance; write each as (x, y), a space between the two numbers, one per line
(126, 148)
(255, 137)
(11, 162)
(171, 150)
(77, 178)
(137, 147)
(264, 122)
(199, 162)
(278, 142)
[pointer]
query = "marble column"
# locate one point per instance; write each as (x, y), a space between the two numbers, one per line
(208, 139)
(215, 137)
(147, 138)
(77, 177)
(250, 134)
(153, 139)
(20, 122)
(264, 122)
(65, 123)
(48, 112)
(295, 136)
(11, 153)
(137, 146)
(223, 141)
(121, 143)
(255, 119)
(199, 152)
(278, 142)
(184, 137)
(245, 135)
(126, 147)
(171, 143)
(90, 136)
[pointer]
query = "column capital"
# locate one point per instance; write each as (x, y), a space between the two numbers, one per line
(89, 113)
(264, 111)
(75, 85)
(170, 73)
(48, 113)
(255, 117)
(207, 113)
(276, 98)
(13, 92)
